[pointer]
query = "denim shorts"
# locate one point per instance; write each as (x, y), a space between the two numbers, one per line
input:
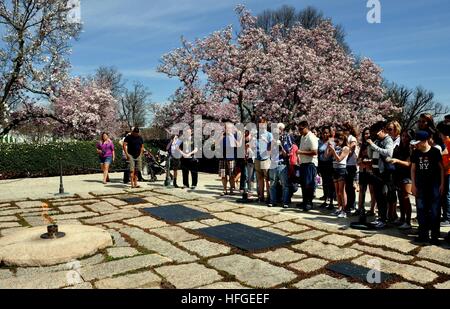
(106, 160)
(339, 174)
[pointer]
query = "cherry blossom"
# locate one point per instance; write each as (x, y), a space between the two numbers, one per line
(303, 75)
(86, 109)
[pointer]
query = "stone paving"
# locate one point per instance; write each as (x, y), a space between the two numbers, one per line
(150, 253)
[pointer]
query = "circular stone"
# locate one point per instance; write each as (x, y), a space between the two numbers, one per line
(27, 248)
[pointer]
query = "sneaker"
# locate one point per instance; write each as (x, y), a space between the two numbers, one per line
(398, 222)
(405, 226)
(375, 222)
(300, 205)
(421, 240)
(270, 205)
(342, 215)
(330, 207)
(286, 206)
(355, 213)
(307, 208)
(337, 212)
(193, 188)
(435, 241)
(379, 225)
(445, 224)
(324, 205)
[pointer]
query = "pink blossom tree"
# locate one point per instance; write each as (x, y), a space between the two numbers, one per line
(305, 74)
(87, 110)
(34, 51)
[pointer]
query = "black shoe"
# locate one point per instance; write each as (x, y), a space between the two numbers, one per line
(300, 205)
(370, 214)
(193, 188)
(307, 207)
(330, 207)
(324, 205)
(435, 242)
(421, 240)
(175, 185)
(323, 198)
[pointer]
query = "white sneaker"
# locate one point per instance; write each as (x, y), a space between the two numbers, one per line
(342, 215)
(337, 212)
(405, 226)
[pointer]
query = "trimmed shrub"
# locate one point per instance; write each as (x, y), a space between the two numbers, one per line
(42, 160)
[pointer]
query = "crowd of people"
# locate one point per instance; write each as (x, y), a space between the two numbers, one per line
(391, 164)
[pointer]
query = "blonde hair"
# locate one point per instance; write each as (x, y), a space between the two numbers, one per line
(396, 125)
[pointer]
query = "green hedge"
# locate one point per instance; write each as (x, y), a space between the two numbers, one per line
(42, 160)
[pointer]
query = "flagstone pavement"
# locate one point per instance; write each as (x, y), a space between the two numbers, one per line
(150, 253)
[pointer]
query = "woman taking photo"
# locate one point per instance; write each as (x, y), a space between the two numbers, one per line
(105, 150)
(326, 169)
(365, 174)
(173, 148)
(402, 177)
(340, 154)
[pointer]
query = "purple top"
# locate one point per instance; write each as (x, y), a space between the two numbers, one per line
(106, 148)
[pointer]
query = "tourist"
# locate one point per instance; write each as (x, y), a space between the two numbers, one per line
(326, 168)
(126, 172)
(294, 167)
(365, 175)
(444, 129)
(339, 153)
(189, 164)
(105, 150)
(427, 175)
(228, 145)
(394, 130)
(382, 170)
(173, 148)
(402, 177)
(262, 161)
(308, 152)
(426, 123)
(248, 165)
(280, 168)
(447, 119)
(352, 166)
(133, 146)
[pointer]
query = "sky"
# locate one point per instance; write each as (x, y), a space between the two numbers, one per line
(411, 44)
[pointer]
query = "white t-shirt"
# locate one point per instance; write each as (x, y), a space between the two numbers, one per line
(309, 142)
(351, 161)
(397, 141)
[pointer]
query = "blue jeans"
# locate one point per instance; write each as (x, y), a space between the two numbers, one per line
(428, 211)
(308, 173)
(280, 173)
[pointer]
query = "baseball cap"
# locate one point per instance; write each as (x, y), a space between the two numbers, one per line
(420, 137)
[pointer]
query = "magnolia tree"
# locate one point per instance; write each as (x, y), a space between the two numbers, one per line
(87, 110)
(303, 75)
(33, 56)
